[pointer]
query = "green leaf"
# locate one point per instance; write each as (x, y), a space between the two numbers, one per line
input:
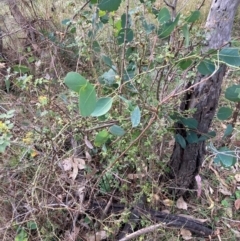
(175, 116)
(103, 106)
(32, 225)
(226, 157)
(117, 26)
(228, 130)
(101, 138)
(108, 77)
(107, 61)
(164, 16)
(129, 71)
(216, 160)
(96, 47)
(21, 69)
(232, 93)
(224, 113)
(116, 130)
(207, 136)
(147, 27)
(190, 123)
(193, 17)
(168, 28)
(184, 64)
(87, 99)
(73, 30)
(131, 50)
(186, 35)
(66, 21)
(94, 1)
(7, 84)
(74, 81)
(104, 19)
(3, 146)
(135, 116)
(21, 236)
(230, 56)
(123, 21)
(180, 140)
(128, 102)
(192, 137)
(121, 36)
(109, 5)
(7, 115)
(206, 67)
(106, 183)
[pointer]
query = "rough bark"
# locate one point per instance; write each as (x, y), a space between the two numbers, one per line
(1, 43)
(24, 23)
(185, 163)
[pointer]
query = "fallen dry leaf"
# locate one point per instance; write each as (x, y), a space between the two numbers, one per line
(236, 233)
(88, 143)
(209, 199)
(98, 236)
(237, 204)
(181, 204)
(168, 202)
(229, 212)
(237, 177)
(72, 235)
(81, 163)
(186, 234)
(73, 164)
(88, 156)
(2, 65)
(67, 164)
(74, 173)
(223, 126)
(81, 193)
(224, 190)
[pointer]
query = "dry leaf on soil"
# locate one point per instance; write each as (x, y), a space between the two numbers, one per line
(237, 177)
(81, 193)
(67, 164)
(168, 202)
(74, 173)
(88, 156)
(237, 204)
(88, 143)
(236, 233)
(72, 235)
(224, 190)
(186, 234)
(2, 65)
(181, 204)
(97, 236)
(73, 164)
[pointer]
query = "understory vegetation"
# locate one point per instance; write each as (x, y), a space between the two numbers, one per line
(90, 95)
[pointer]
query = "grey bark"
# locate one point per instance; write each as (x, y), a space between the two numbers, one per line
(1, 43)
(185, 163)
(24, 23)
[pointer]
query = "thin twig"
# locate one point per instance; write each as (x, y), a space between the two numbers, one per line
(142, 231)
(153, 118)
(74, 16)
(124, 46)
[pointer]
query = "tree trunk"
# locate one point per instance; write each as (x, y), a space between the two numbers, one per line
(185, 163)
(25, 24)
